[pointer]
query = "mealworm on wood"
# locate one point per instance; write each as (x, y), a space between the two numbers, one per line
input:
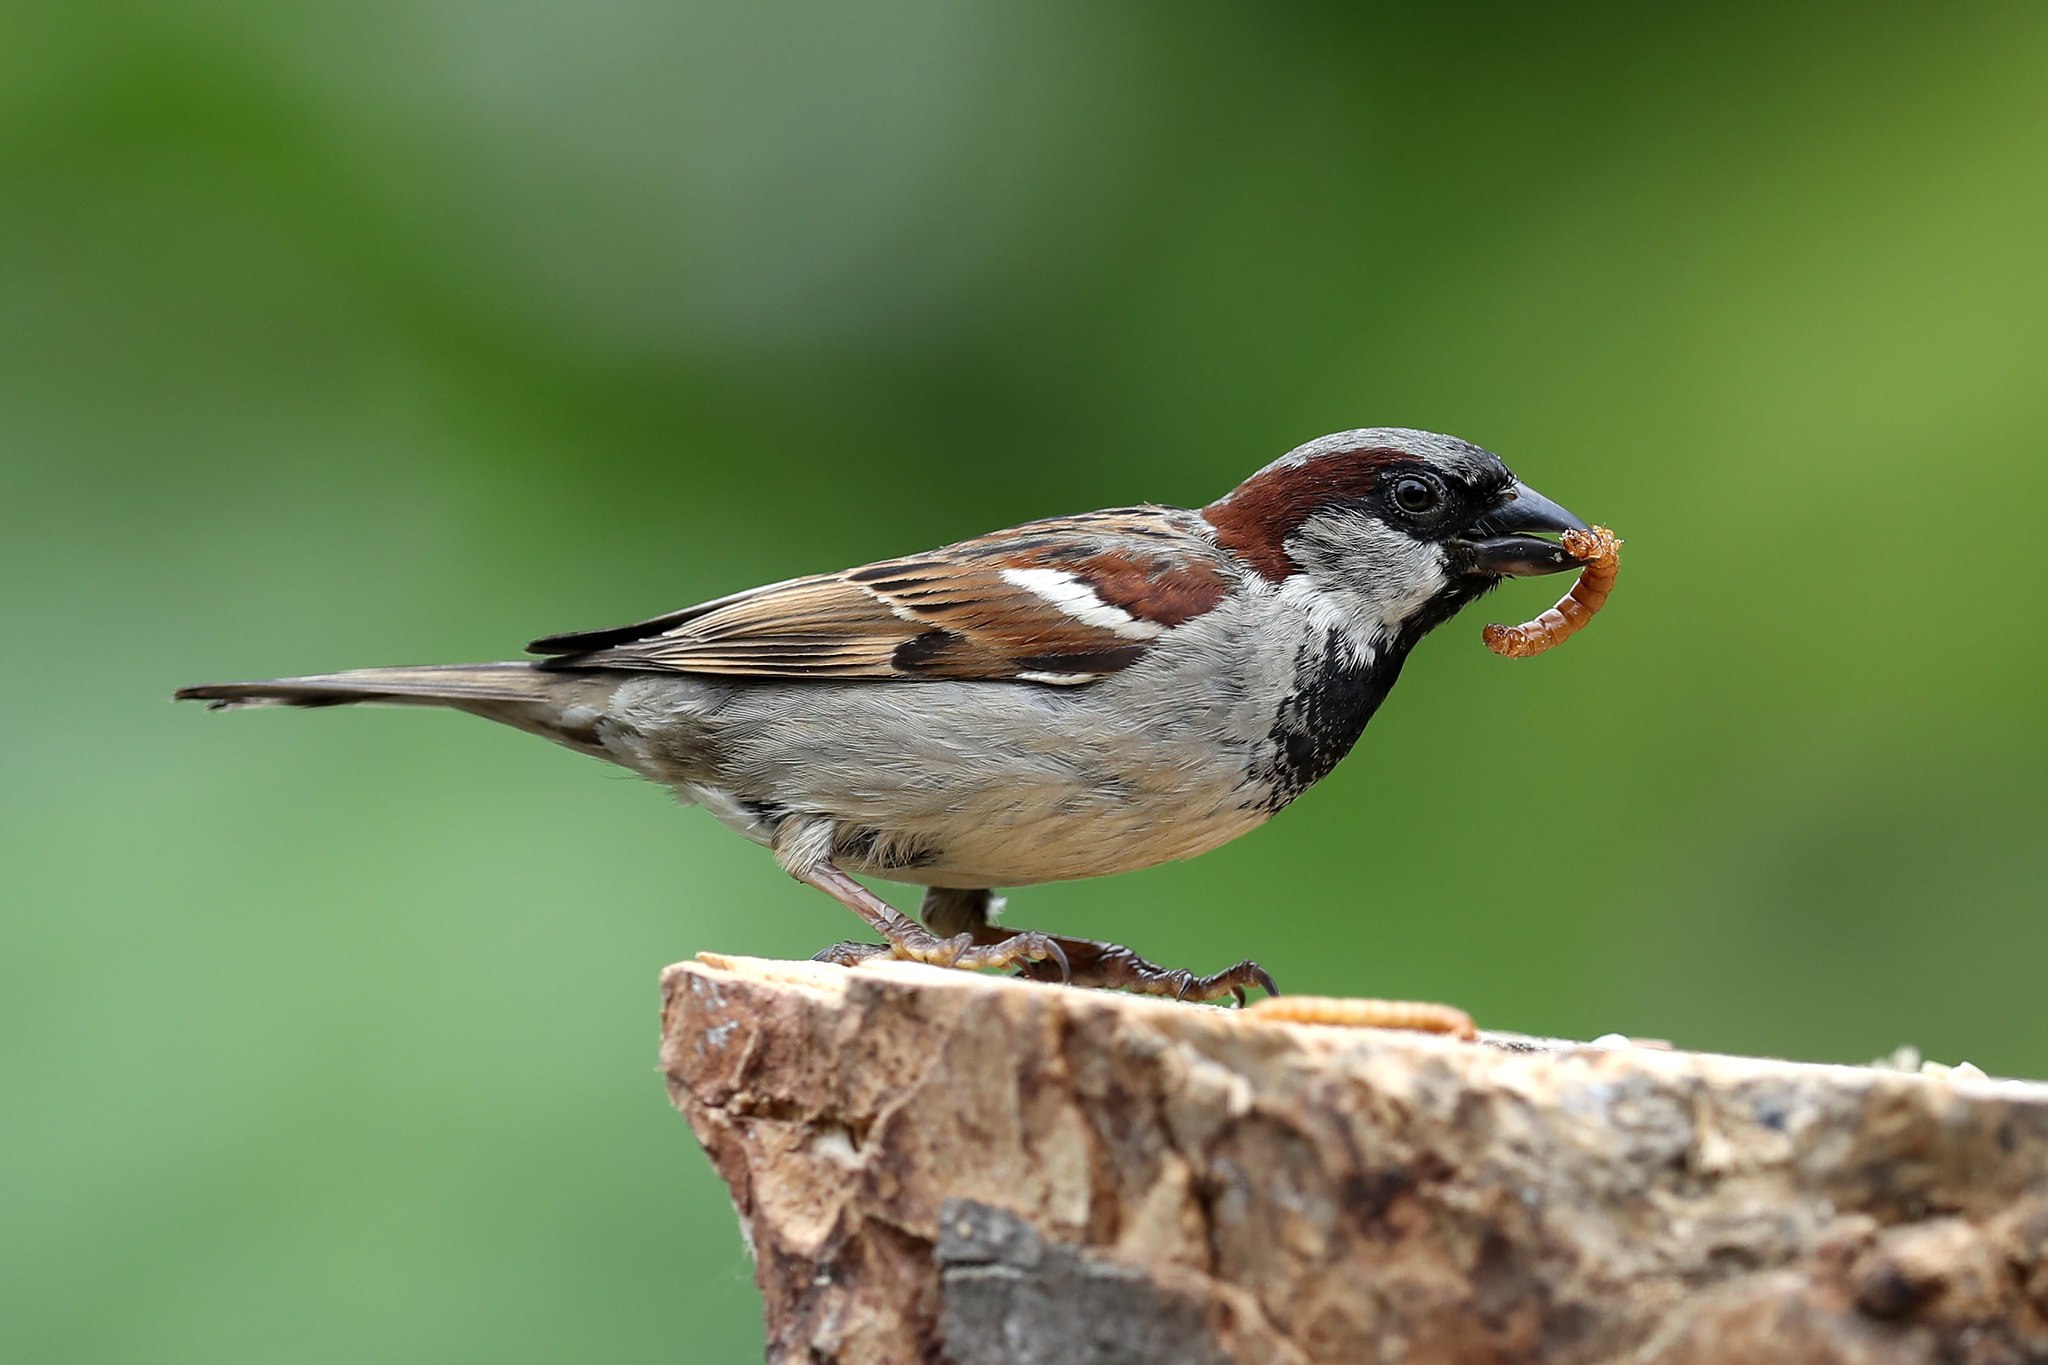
(1420, 1016)
(1600, 551)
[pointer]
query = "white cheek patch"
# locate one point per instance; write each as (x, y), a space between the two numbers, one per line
(1323, 611)
(1423, 572)
(1369, 578)
(1068, 593)
(1393, 578)
(1327, 616)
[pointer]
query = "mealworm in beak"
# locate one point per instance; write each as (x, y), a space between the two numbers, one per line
(1420, 1016)
(1600, 551)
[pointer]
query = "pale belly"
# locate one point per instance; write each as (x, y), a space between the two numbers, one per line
(973, 787)
(1013, 836)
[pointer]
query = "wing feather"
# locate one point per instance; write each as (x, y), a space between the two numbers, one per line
(1063, 601)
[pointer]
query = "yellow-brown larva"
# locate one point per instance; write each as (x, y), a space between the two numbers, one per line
(1421, 1016)
(1600, 551)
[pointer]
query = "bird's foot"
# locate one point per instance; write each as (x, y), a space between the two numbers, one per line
(971, 951)
(847, 953)
(1112, 965)
(1039, 954)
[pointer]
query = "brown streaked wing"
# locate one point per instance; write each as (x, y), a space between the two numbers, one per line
(1125, 576)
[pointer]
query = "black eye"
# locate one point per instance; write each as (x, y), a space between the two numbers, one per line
(1417, 495)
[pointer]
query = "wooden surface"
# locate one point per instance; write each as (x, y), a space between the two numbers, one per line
(932, 1166)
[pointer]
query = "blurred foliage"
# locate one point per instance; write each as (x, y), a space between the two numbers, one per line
(405, 332)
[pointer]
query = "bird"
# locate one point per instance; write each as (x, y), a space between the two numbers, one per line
(1069, 698)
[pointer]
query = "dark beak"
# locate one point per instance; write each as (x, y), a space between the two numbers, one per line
(1499, 542)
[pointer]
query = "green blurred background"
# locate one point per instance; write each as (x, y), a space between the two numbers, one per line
(404, 332)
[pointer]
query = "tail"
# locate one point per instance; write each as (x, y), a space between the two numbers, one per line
(563, 707)
(430, 685)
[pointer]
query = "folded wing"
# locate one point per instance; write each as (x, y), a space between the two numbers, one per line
(1064, 602)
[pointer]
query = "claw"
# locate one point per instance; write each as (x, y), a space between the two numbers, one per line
(962, 951)
(1037, 956)
(847, 953)
(1109, 965)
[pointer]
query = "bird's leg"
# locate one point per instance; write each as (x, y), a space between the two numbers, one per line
(951, 911)
(948, 910)
(917, 944)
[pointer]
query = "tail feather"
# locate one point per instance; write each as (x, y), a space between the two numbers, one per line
(427, 685)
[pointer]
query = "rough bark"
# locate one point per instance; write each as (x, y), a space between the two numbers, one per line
(933, 1166)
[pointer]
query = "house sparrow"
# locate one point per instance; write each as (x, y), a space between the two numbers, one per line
(1068, 698)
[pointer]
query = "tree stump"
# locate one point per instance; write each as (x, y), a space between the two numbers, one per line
(937, 1166)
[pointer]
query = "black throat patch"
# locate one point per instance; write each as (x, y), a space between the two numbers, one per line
(1333, 697)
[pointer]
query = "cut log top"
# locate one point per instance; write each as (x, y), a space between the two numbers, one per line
(931, 1166)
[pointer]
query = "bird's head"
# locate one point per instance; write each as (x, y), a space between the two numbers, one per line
(1396, 529)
